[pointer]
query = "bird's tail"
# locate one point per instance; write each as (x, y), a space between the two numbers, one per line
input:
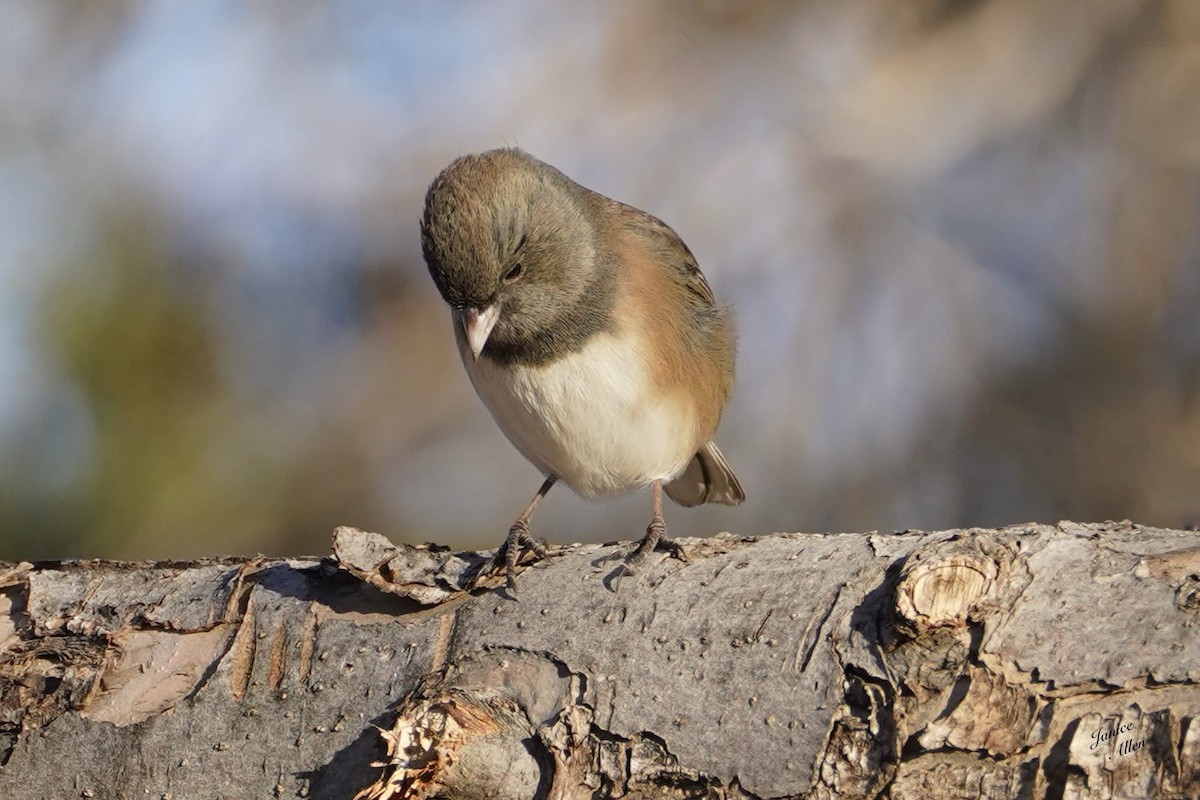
(707, 479)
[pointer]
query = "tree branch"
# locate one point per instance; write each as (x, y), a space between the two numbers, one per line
(1031, 661)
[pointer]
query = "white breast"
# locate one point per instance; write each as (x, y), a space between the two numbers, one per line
(590, 418)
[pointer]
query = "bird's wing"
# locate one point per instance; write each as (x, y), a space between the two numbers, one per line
(670, 249)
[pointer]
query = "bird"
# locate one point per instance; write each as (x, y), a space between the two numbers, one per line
(590, 334)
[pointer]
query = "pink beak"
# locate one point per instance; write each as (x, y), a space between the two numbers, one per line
(477, 324)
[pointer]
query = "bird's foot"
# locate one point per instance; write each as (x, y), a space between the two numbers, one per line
(655, 539)
(517, 545)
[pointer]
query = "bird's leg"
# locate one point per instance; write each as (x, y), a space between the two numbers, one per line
(519, 540)
(655, 537)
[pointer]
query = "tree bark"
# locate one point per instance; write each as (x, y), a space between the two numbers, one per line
(1033, 661)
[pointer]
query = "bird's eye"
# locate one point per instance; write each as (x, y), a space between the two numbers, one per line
(513, 273)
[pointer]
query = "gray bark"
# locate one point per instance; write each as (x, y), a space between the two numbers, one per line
(1032, 661)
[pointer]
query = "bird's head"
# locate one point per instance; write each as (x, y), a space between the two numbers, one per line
(510, 243)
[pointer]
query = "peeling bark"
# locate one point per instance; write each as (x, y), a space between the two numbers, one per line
(1033, 661)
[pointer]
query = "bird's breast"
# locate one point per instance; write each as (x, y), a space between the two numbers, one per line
(593, 418)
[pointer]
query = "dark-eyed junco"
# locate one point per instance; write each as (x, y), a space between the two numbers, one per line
(587, 330)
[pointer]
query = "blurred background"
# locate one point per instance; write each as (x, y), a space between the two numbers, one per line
(961, 237)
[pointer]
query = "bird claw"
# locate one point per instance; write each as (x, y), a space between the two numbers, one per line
(655, 539)
(518, 543)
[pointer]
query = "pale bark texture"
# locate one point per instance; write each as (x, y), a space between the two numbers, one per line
(1033, 661)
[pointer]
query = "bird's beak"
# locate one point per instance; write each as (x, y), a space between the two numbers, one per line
(477, 324)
